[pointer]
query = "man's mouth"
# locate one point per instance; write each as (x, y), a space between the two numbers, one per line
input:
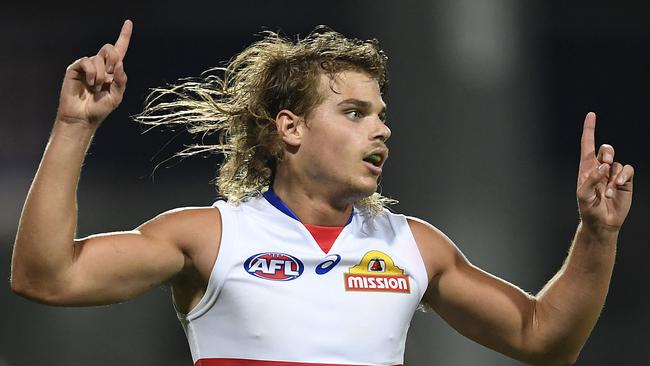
(375, 159)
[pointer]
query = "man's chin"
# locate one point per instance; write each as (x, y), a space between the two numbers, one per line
(364, 191)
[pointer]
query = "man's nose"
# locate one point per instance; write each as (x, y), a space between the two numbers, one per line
(382, 131)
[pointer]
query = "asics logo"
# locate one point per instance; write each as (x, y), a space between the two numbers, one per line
(330, 262)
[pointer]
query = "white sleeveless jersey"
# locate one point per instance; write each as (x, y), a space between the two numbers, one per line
(274, 298)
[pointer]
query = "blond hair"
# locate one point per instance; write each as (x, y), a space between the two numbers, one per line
(239, 103)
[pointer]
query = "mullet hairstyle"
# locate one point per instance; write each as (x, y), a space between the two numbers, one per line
(239, 103)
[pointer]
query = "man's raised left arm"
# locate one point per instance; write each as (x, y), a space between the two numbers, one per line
(551, 327)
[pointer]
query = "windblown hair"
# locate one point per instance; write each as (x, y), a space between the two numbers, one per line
(239, 103)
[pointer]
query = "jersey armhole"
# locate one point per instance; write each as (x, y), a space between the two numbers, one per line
(422, 277)
(229, 232)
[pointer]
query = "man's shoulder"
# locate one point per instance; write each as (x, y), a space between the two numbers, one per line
(185, 226)
(427, 233)
(182, 216)
(437, 250)
(422, 227)
(195, 230)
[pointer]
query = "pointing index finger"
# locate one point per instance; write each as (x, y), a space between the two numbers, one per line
(122, 43)
(587, 142)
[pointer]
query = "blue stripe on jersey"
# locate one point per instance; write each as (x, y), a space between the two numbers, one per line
(274, 200)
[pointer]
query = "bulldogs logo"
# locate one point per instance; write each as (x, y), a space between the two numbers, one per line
(274, 266)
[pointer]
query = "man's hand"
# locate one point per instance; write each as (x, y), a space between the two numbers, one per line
(93, 86)
(604, 186)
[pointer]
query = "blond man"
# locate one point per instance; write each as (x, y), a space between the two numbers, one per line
(299, 261)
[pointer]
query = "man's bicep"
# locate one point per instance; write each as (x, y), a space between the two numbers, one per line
(483, 307)
(477, 304)
(114, 267)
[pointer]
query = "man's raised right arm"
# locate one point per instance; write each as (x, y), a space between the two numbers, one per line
(49, 265)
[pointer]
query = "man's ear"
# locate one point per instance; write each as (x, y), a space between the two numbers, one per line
(289, 127)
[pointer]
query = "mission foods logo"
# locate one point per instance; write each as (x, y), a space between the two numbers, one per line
(274, 266)
(377, 272)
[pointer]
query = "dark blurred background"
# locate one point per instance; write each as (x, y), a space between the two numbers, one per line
(486, 105)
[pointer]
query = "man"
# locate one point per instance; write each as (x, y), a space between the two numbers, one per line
(303, 234)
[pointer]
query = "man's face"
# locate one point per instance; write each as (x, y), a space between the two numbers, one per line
(343, 146)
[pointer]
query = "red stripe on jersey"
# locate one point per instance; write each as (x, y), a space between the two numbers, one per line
(324, 235)
(245, 362)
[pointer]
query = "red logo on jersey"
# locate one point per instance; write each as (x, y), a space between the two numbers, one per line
(274, 266)
(377, 272)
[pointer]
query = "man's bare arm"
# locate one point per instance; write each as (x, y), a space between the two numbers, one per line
(551, 327)
(480, 306)
(499, 315)
(48, 265)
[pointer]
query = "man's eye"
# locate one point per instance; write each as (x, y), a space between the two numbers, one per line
(354, 114)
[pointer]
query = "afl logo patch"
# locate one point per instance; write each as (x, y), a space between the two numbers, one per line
(274, 266)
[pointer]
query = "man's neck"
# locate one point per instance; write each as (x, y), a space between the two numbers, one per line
(313, 207)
